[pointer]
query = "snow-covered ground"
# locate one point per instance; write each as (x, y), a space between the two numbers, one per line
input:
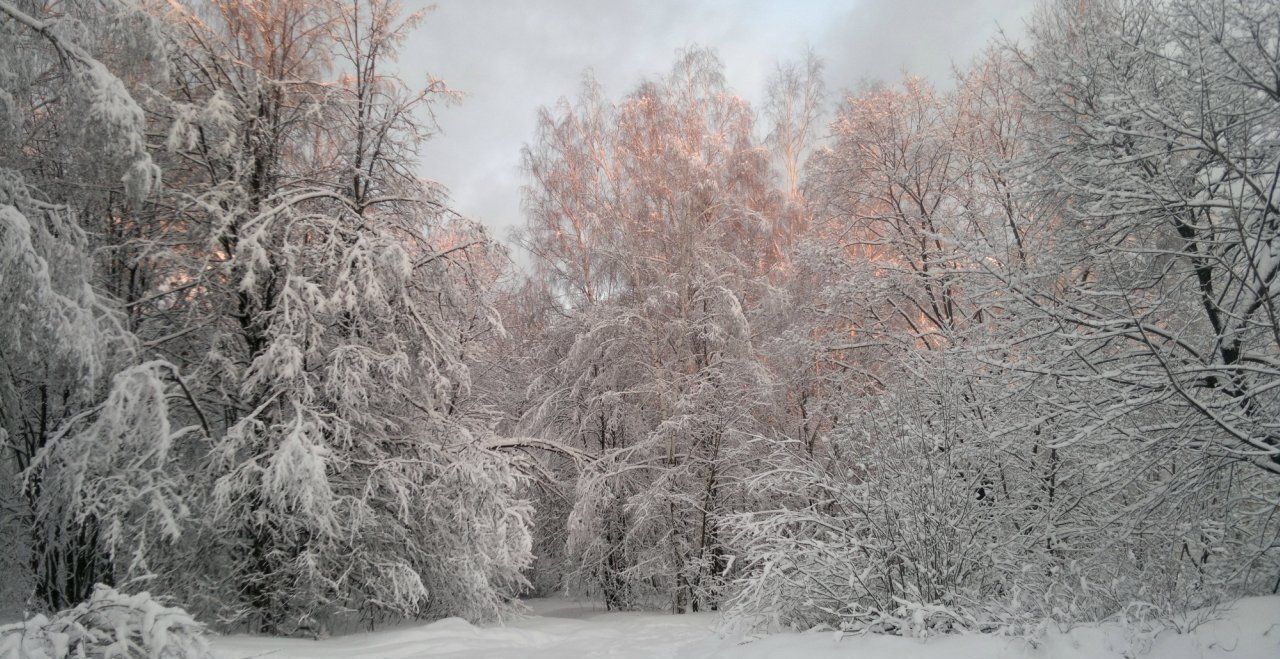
(562, 628)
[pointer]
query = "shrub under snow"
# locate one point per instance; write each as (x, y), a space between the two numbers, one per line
(108, 624)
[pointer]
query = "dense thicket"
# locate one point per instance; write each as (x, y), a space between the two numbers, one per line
(1004, 353)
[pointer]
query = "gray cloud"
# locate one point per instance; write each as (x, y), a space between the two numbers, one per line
(920, 37)
(512, 57)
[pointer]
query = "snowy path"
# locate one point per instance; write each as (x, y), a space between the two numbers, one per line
(555, 628)
(562, 628)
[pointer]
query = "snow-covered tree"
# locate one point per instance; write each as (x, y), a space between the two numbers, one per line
(331, 321)
(305, 444)
(86, 427)
(1164, 156)
(1053, 293)
(653, 216)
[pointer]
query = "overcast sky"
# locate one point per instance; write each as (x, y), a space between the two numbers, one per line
(513, 56)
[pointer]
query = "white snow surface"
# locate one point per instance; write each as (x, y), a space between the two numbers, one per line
(565, 628)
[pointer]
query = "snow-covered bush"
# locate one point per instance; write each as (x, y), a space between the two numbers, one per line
(934, 508)
(892, 526)
(108, 624)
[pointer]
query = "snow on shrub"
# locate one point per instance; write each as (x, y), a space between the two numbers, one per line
(108, 624)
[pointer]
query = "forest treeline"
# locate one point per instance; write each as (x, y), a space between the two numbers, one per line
(921, 356)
